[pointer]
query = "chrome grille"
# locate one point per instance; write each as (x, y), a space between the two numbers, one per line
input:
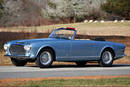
(17, 50)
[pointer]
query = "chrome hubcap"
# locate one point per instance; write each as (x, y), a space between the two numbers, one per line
(107, 57)
(45, 58)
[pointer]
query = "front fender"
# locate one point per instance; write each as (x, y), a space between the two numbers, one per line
(43, 46)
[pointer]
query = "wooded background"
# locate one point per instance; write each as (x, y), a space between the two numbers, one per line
(44, 12)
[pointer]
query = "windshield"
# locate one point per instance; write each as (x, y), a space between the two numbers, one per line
(62, 34)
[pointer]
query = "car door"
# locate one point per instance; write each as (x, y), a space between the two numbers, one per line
(84, 49)
(62, 48)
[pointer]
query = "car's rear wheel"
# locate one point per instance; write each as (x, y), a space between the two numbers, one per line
(81, 63)
(18, 62)
(106, 58)
(45, 58)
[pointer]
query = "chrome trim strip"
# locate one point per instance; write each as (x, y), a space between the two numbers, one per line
(76, 56)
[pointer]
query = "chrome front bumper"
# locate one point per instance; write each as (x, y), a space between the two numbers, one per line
(18, 56)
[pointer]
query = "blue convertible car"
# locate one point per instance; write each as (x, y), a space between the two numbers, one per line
(62, 46)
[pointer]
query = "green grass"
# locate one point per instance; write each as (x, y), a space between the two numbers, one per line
(114, 82)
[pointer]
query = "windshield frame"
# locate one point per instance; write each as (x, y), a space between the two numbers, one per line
(71, 29)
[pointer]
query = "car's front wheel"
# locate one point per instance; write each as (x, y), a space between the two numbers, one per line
(45, 58)
(18, 62)
(106, 58)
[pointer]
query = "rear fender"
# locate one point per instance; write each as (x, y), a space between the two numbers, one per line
(105, 48)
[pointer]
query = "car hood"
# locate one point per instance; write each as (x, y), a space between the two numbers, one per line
(31, 40)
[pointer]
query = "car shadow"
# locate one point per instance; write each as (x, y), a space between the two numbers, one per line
(120, 65)
(75, 66)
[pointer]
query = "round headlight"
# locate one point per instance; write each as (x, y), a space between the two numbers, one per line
(6, 46)
(27, 47)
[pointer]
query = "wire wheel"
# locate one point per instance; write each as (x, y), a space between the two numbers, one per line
(45, 58)
(106, 58)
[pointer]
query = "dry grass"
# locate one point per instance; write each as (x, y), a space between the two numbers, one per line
(4, 60)
(107, 28)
